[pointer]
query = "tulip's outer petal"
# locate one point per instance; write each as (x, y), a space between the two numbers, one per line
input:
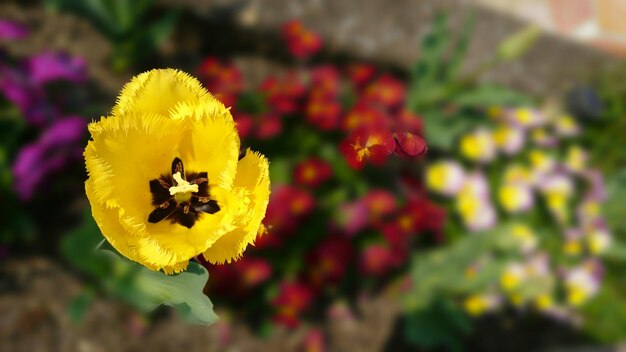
(159, 91)
(253, 184)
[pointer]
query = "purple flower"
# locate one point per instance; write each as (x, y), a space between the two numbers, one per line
(54, 149)
(47, 67)
(17, 88)
(11, 30)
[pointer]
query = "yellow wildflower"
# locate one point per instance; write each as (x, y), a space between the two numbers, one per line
(165, 180)
(512, 277)
(544, 302)
(479, 304)
(478, 146)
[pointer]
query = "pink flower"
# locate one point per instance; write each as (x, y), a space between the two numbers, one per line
(352, 217)
(11, 30)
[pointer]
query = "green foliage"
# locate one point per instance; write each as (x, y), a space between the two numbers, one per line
(442, 271)
(615, 207)
(605, 314)
(445, 99)
(15, 224)
(125, 23)
(79, 306)
(140, 287)
(439, 325)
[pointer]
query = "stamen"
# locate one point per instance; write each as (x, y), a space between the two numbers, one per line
(181, 197)
(182, 186)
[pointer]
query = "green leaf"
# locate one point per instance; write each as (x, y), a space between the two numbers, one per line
(442, 271)
(489, 95)
(79, 306)
(605, 314)
(460, 48)
(159, 30)
(430, 64)
(139, 286)
(439, 325)
(615, 207)
(442, 131)
(149, 289)
(78, 248)
(280, 171)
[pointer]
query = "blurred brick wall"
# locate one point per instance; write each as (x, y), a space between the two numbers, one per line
(599, 23)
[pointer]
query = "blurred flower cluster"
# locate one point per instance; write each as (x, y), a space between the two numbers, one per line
(346, 204)
(526, 167)
(50, 135)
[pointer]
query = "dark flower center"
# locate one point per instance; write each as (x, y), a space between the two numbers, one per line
(181, 198)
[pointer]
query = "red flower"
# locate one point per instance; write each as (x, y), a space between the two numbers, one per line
(301, 42)
(221, 282)
(363, 114)
(380, 203)
(270, 125)
(376, 260)
(209, 67)
(235, 280)
(323, 113)
(286, 207)
(245, 124)
(410, 145)
(360, 74)
(312, 172)
(293, 299)
(252, 271)
(283, 94)
(328, 262)
(224, 80)
(314, 341)
(324, 82)
(409, 122)
(418, 215)
(386, 91)
(367, 143)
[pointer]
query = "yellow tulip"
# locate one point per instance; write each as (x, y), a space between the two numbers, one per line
(165, 180)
